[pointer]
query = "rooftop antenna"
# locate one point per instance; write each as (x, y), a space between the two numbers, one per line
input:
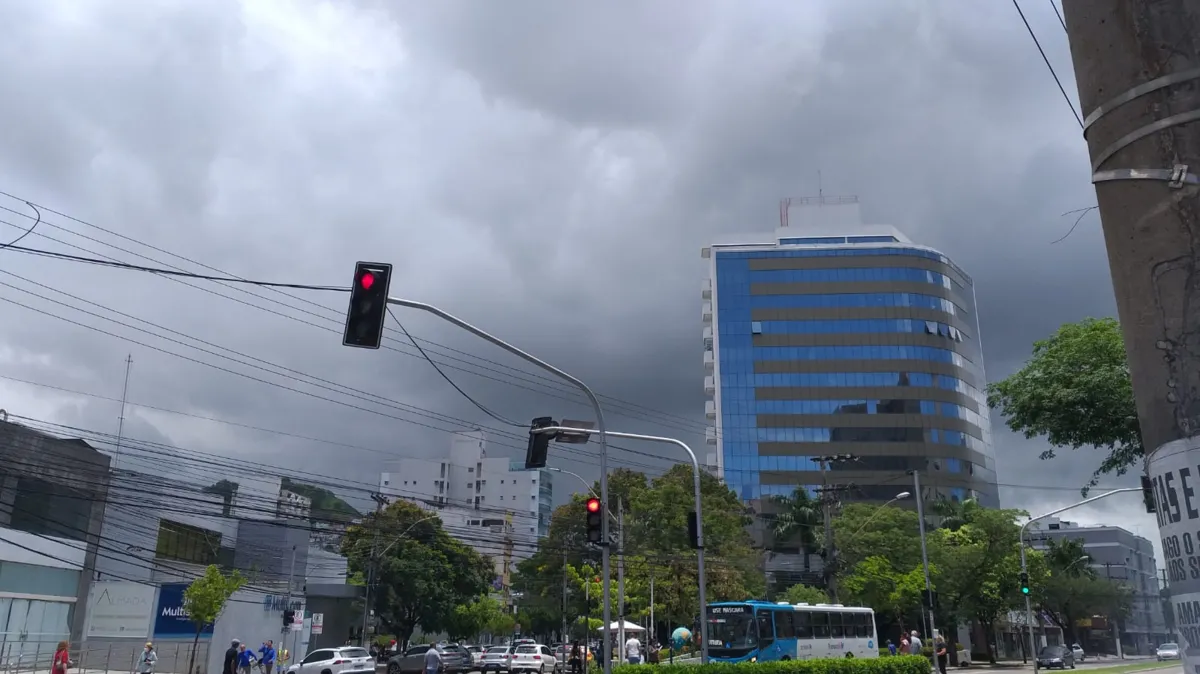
(784, 205)
(820, 189)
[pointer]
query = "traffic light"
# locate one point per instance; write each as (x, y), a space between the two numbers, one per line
(368, 305)
(289, 617)
(595, 521)
(1148, 495)
(1024, 583)
(539, 443)
(693, 530)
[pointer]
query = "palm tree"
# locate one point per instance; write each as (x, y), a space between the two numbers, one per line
(954, 514)
(798, 520)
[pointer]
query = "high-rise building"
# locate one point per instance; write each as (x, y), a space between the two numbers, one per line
(831, 337)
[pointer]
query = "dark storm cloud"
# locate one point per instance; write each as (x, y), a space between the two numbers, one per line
(550, 175)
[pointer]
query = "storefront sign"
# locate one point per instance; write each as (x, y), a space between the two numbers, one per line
(1174, 470)
(170, 619)
(120, 609)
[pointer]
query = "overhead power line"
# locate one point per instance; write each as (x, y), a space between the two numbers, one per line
(1037, 43)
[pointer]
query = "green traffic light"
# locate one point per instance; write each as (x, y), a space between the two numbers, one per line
(1024, 590)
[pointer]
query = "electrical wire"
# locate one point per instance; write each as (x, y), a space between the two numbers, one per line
(1054, 6)
(28, 231)
(1045, 58)
(450, 381)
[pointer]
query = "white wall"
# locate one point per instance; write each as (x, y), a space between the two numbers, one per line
(246, 618)
(25, 548)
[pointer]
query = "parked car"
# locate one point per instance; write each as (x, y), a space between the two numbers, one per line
(1167, 651)
(562, 654)
(1077, 651)
(533, 658)
(495, 659)
(455, 659)
(344, 660)
(476, 655)
(1059, 657)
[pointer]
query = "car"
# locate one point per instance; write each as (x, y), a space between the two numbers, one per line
(1052, 657)
(495, 659)
(1077, 651)
(562, 653)
(344, 660)
(1167, 651)
(476, 655)
(533, 658)
(455, 659)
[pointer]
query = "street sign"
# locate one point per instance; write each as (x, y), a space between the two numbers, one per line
(318, 623)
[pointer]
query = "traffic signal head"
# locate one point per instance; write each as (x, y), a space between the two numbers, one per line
(595, 521)
(539, 443)
(289, 617)
(368, 305)
(1024, 583)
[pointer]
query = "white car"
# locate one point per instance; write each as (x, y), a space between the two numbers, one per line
(1077, 650)
(534, 658)
(1167, 651)
(342, 660)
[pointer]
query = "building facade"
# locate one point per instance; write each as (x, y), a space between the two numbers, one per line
(1125, 558)
(834, 338)
(492, 504)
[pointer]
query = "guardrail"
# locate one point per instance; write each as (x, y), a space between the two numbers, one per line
(36, 657)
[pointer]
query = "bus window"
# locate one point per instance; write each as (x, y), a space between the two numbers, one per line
(837, 628)
(766, 629)
(820, 624)
(803, 625)
(864, 625)
(785, 626)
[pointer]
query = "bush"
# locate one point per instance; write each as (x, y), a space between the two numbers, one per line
(901, 664)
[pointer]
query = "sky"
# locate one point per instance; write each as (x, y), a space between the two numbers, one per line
(548, 174)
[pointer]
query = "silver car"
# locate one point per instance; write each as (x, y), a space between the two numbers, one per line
(1167, 651)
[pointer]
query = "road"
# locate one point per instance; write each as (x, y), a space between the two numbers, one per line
(1090, 664)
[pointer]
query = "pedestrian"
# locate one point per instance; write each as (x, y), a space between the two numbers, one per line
(231, 658)
(149, 657)
(633, 650)
(653, 656)
(891, 647)
(914, 644)
(942, 652)
(433, 661)
(245, 659)
(62, 659)
(575, 659)
(266, 656)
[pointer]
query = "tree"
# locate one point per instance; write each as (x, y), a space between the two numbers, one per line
(326, 506)
(799, 519)
(1075, 390)
(1069, 590)
(804, 594)
(205, 598)
(471, 619)
(422, 573)
(862, 530)
(954, 514)
(894, 594)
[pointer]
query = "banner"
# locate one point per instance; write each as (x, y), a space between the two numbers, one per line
(170, 621)
(120, 609)
(1174, 470)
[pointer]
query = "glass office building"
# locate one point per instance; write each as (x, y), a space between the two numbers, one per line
(861, 343)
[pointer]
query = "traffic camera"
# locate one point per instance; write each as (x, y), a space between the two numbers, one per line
(595, 521)
(368, 305)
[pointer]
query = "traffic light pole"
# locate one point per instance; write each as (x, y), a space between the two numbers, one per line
(1025, 569)
(604, 549)
(701, 578)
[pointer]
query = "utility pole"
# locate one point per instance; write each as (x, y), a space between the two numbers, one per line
(121, 419)
(652, 630)
(924, 553)
(827, 503)
(380, 502)
(1136, 68)
(1116, 626)
(288, 601)
(564, 598)
(621, 578)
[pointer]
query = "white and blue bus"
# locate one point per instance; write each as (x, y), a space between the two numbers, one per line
(762, 631)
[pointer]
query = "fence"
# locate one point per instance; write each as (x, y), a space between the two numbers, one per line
(35, 657)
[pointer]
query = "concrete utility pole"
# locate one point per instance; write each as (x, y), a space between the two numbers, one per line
(621, 579)
(827, 503)
(1137, 67)
(380, 502)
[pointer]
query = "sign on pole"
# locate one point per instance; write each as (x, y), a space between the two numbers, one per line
(318, 623)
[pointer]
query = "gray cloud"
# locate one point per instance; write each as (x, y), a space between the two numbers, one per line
(549, 175)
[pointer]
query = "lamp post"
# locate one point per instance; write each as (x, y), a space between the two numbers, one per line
(600, 428)
(586, 485)
(1025, 568)
(898, 497)
(699, 519)
(371, 573)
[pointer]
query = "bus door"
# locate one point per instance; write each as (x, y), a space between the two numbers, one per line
(768, 646)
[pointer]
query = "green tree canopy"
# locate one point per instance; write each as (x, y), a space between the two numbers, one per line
(423, 575)
(894, 594)
(804, 594)
(483, 614)
(1075, 390)
(205, 598)
(1068, 589)
(862, 530)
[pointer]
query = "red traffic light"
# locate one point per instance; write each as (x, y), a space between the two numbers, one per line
(593, 505)
(367, 280)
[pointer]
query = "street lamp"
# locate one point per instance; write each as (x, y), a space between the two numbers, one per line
(699, 522)
(600, 428)
(902, 495)
(371, 572)
(586, 485)
(1025, 569)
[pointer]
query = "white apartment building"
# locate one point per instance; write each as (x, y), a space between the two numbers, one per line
(490, 503)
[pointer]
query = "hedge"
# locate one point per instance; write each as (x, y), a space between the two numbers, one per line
(900, 664)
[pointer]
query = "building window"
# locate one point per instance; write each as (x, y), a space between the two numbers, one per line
(756, 327)
(470, 470)
(186, 543)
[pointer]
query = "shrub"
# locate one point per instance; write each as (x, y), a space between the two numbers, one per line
(901, 664)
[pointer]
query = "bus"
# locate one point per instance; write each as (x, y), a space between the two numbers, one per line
(762, 631)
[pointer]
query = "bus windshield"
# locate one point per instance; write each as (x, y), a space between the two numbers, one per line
(732, 631)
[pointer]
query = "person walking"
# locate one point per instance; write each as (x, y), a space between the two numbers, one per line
(149, 657)
(266, 656)
(231, 658)
(433, 661)
(942, 652)
(62, 658)
(891, 647)
(914, 644)
(633, 651)
(245, 659)
(575, 659)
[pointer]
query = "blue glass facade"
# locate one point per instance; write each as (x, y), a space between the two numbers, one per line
(784, 347)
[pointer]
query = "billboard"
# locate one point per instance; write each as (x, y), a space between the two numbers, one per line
(170, 621)
(118, 609)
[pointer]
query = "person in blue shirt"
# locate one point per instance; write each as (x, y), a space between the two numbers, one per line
(891, 647)
(245, 659)
(266, 656)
